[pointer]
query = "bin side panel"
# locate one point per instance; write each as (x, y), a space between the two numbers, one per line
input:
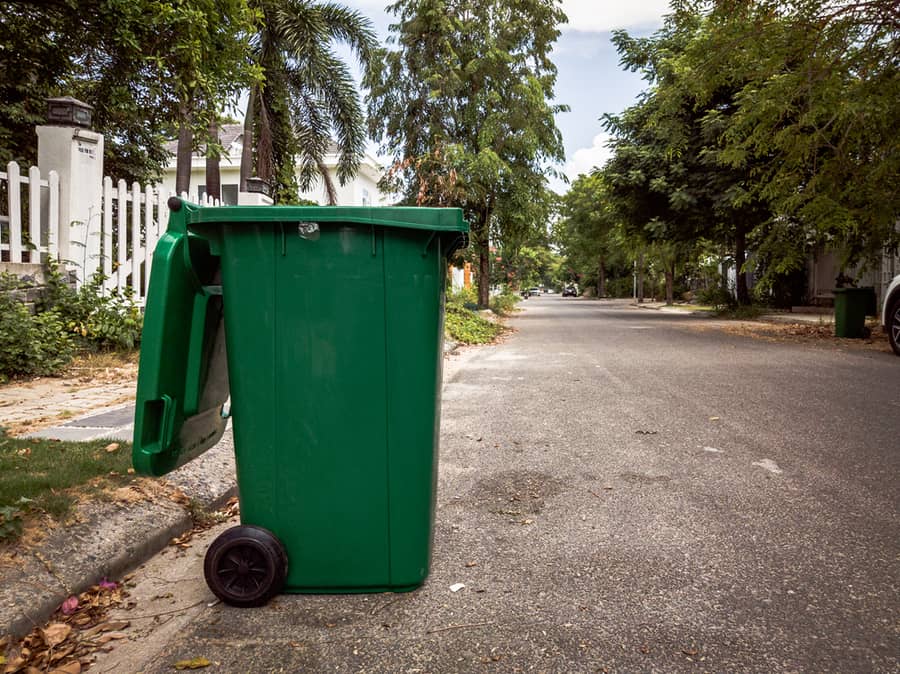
(414, 287)
(330, 377)
(248, 288)
(306, 348)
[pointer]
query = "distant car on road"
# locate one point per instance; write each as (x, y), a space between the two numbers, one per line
(569, 291)
(534, 291)
(890, 314)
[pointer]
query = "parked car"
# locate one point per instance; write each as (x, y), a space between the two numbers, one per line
(534, 291)
(890, 314)
(569, 291)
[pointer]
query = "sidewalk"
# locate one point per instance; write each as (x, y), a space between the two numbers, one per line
(800, 314)
(107, 538)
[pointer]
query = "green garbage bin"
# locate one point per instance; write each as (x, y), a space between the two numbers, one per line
(851, 306)
(325, 326)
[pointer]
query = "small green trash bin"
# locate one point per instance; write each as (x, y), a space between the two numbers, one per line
(851, 306)
(331, 323)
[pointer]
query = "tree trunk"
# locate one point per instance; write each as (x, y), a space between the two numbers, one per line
(601, 278)
(640, 279)
(184, 152)
(247, 143)
(670, 284)
(481, 238)
(740, 257)
(484, 276)
(213, 177)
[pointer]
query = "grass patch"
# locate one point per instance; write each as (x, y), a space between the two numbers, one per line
(742, 312)
(466, 326)
(694, 307)
(39, 476)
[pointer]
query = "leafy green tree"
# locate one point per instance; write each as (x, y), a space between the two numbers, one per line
(306, 94)
(207, 62)
(665, 177)
(816, 99)
(136, 61)
(585, 231)
(462, 105)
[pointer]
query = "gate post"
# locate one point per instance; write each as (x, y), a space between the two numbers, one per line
(67, 145)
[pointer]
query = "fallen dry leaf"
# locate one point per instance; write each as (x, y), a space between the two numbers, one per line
(55, 633)
(469, 565)
(112, 447)
(179, 496)
(115, 625)
(110, 636)
(70, 668)
(194, 663)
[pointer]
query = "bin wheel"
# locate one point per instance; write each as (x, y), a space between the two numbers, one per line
(245, 566)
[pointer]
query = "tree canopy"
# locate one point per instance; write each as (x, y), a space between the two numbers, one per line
(766, 125)
(462, 105)
(137, 62)
(306, 95)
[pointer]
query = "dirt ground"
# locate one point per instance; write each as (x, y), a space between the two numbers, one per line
(93, 381)
(813, 334)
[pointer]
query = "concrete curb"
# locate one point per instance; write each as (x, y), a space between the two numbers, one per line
(108, 540)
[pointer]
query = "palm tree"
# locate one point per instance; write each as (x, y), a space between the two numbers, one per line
(305, 95)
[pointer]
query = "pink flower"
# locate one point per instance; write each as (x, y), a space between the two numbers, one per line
(107, 585)
(70, 605)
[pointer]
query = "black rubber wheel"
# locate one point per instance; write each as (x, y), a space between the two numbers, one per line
(892, 323)
(245, 566)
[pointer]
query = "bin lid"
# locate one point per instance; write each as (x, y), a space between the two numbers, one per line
(408, 217)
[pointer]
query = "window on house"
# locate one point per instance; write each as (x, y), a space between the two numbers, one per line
(229, 194)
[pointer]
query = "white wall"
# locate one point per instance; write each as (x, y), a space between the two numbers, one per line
(361, 191)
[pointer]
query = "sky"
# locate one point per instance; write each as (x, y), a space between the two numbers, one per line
(590, 80)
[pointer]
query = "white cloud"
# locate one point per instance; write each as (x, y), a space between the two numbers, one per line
(607, 15)
(585, 159)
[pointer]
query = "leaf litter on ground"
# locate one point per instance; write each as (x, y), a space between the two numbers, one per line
(69, 642)
(81, 627)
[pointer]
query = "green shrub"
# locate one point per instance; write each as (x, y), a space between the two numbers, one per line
(505, 303)
(466, 326)
(31, 345)
(466, 298)
(717, 297)
(99, 319)
(66, 321)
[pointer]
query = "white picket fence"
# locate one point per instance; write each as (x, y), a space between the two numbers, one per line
(29, 223)
(119, 243)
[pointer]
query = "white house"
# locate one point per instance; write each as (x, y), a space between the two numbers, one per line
(362, 190)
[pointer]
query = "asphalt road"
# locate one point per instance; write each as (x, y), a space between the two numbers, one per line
(619, 491)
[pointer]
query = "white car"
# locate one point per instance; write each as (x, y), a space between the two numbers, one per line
(890, 314)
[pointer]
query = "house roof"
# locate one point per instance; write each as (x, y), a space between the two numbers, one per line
(228, 135)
